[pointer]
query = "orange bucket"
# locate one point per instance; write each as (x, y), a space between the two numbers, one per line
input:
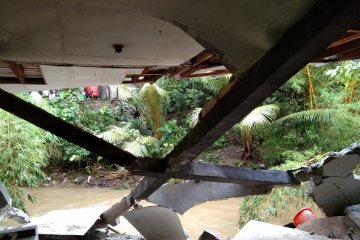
(302, 216)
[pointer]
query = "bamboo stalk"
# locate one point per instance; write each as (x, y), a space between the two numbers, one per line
(312, 97)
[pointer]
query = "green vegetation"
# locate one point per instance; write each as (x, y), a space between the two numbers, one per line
(22, 156)
(318, 113)
(314, 112)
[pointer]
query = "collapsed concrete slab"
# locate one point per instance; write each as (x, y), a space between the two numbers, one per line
(183, 196)
(71, 222)
(333, 184)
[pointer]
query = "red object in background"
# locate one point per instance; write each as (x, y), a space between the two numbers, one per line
(302, 216)
(92, 91)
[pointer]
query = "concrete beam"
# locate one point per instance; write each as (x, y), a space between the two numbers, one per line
(224, 174)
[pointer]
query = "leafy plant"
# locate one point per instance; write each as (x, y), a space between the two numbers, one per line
(131, 141)
(263, 207)
(23, 154)
(172, 134)
(152, 102)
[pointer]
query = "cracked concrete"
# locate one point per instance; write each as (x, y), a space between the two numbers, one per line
(333, 185)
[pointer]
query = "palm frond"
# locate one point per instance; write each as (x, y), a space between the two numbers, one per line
(124, 91)
(135, 148)
(260, 116)
(116, 135)
(147, 140)
(316, 115)
(215, 84)
(142, 146)
(194, 117)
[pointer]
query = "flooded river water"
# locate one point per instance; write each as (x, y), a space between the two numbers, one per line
(221, 216)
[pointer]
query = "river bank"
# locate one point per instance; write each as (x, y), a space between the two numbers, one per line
(94, 175)
(113, 176)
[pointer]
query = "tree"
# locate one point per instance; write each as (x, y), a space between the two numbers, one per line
(259, 117)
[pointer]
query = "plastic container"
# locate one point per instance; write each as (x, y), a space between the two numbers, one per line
(302, 216)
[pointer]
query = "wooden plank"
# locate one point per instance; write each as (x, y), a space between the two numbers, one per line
(18, 71)
(325, 22)
(347, 37)
(213, 73)
(63, 129)
(348, 55)
(345, 47)
(224, 174)
(203, 57)
(193, 69)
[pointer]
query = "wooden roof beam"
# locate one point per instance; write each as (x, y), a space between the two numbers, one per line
(212, 73)
(18, 70)
(203, 57)
(345, 47)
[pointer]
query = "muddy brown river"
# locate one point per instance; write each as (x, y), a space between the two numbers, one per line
(221, 216)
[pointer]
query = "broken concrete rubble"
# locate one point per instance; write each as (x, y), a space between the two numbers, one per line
(156, 223)
(332, 184)
(353, 212)
(332, 227)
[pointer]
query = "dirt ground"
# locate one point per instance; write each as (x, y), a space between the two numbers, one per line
(94, 176)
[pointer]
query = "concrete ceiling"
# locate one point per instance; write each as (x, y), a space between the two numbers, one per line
(74, 77)
(153, 33)
(69, 33)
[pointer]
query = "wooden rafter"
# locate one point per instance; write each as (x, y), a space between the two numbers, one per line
(211, 73)
(338, 49)
(18, 70)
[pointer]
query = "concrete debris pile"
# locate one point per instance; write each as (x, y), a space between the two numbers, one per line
(332, 182)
